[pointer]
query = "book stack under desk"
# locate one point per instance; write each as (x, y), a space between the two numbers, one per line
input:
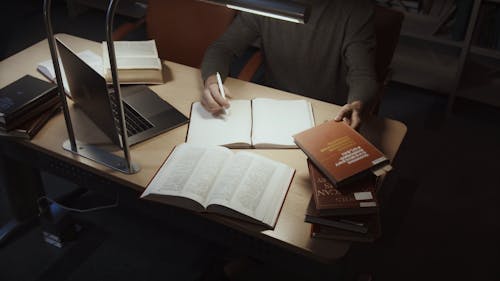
(350, 213)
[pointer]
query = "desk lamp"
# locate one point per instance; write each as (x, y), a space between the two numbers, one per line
(279, 9)
(89, 151)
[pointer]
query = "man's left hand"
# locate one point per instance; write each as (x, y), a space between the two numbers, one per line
(351, 113)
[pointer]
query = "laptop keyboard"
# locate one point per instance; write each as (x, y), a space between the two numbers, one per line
(134, 122)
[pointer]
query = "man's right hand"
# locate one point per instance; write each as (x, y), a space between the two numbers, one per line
(211, 98)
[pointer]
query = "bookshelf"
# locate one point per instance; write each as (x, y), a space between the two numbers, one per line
(430, 55)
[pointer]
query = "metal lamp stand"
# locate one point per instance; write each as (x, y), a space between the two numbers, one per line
(89, 151)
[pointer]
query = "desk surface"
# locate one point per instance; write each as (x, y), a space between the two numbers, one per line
(182, 88)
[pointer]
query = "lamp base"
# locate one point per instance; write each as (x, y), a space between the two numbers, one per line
(103, 157)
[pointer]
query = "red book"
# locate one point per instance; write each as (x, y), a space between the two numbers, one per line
(354, 199)
(356, 223)
(341, 153)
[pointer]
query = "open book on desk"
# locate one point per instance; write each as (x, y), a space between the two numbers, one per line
(257, 123)
(137, 62)
(214, 179)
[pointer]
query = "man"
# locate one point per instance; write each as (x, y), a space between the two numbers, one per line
(330, 58)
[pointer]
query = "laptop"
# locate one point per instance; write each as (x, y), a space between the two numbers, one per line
(146, 114)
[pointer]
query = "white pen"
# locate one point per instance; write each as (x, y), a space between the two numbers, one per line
(221, 90)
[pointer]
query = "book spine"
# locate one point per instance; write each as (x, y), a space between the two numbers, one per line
(12, 124)
(337, 224)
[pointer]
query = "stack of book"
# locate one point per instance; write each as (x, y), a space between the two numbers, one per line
(26, 105)
(350, 213)
(343, 169)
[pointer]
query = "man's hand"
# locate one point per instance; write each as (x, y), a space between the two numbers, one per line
(211, 98)
(352, 114)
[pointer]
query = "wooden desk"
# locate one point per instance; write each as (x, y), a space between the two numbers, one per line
(184, 87)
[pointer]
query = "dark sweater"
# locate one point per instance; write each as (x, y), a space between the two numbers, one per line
(330, 56)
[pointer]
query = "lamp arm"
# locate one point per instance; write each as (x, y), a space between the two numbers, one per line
(116, 84)
(57, 70)
(283, 10)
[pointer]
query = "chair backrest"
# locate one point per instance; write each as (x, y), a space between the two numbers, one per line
(387, 29)
(183, 29)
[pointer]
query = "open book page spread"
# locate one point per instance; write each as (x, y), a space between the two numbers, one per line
(233, 130)
(90, 58)
(133, 55)
(190, 171)
(243, 183)
(259, 123)
(276, 121)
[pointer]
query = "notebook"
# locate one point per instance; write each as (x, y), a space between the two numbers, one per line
(256, 123)
(147, 114)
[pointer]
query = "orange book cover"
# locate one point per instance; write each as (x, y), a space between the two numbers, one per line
(340, 152)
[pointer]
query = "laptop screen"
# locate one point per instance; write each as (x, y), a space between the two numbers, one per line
(89, 91)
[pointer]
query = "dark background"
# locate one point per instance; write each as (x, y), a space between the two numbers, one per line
(440, 212)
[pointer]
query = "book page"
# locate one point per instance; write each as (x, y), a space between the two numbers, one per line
(232, 130)
(141, 49)
(252, 185)
(190, 172)
(138, 63)
(276, 121)
(133, 55)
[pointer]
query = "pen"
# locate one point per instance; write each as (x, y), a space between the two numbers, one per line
(221, 89)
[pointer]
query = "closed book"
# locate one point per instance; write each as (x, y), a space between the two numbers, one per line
(356, 223)
(327, 200)
(341, 153)
(22, 99)
(30, 128)
(326, 232)
(30, 114)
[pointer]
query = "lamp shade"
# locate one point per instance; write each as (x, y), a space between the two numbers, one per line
(279, 9)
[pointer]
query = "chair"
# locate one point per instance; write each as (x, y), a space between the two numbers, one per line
(387, 28)
(183, 29)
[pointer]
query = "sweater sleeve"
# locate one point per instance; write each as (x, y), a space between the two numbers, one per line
(359, 54)
(242, 32)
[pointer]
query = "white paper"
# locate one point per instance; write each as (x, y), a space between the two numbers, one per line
(207, 129)
(360, 196)
(276, 121)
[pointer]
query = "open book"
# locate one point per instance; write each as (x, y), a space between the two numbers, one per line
(90, 58)
(137, 62)
(214, 179)
(258, 123)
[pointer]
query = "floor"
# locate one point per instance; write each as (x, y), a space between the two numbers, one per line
(440, 212)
